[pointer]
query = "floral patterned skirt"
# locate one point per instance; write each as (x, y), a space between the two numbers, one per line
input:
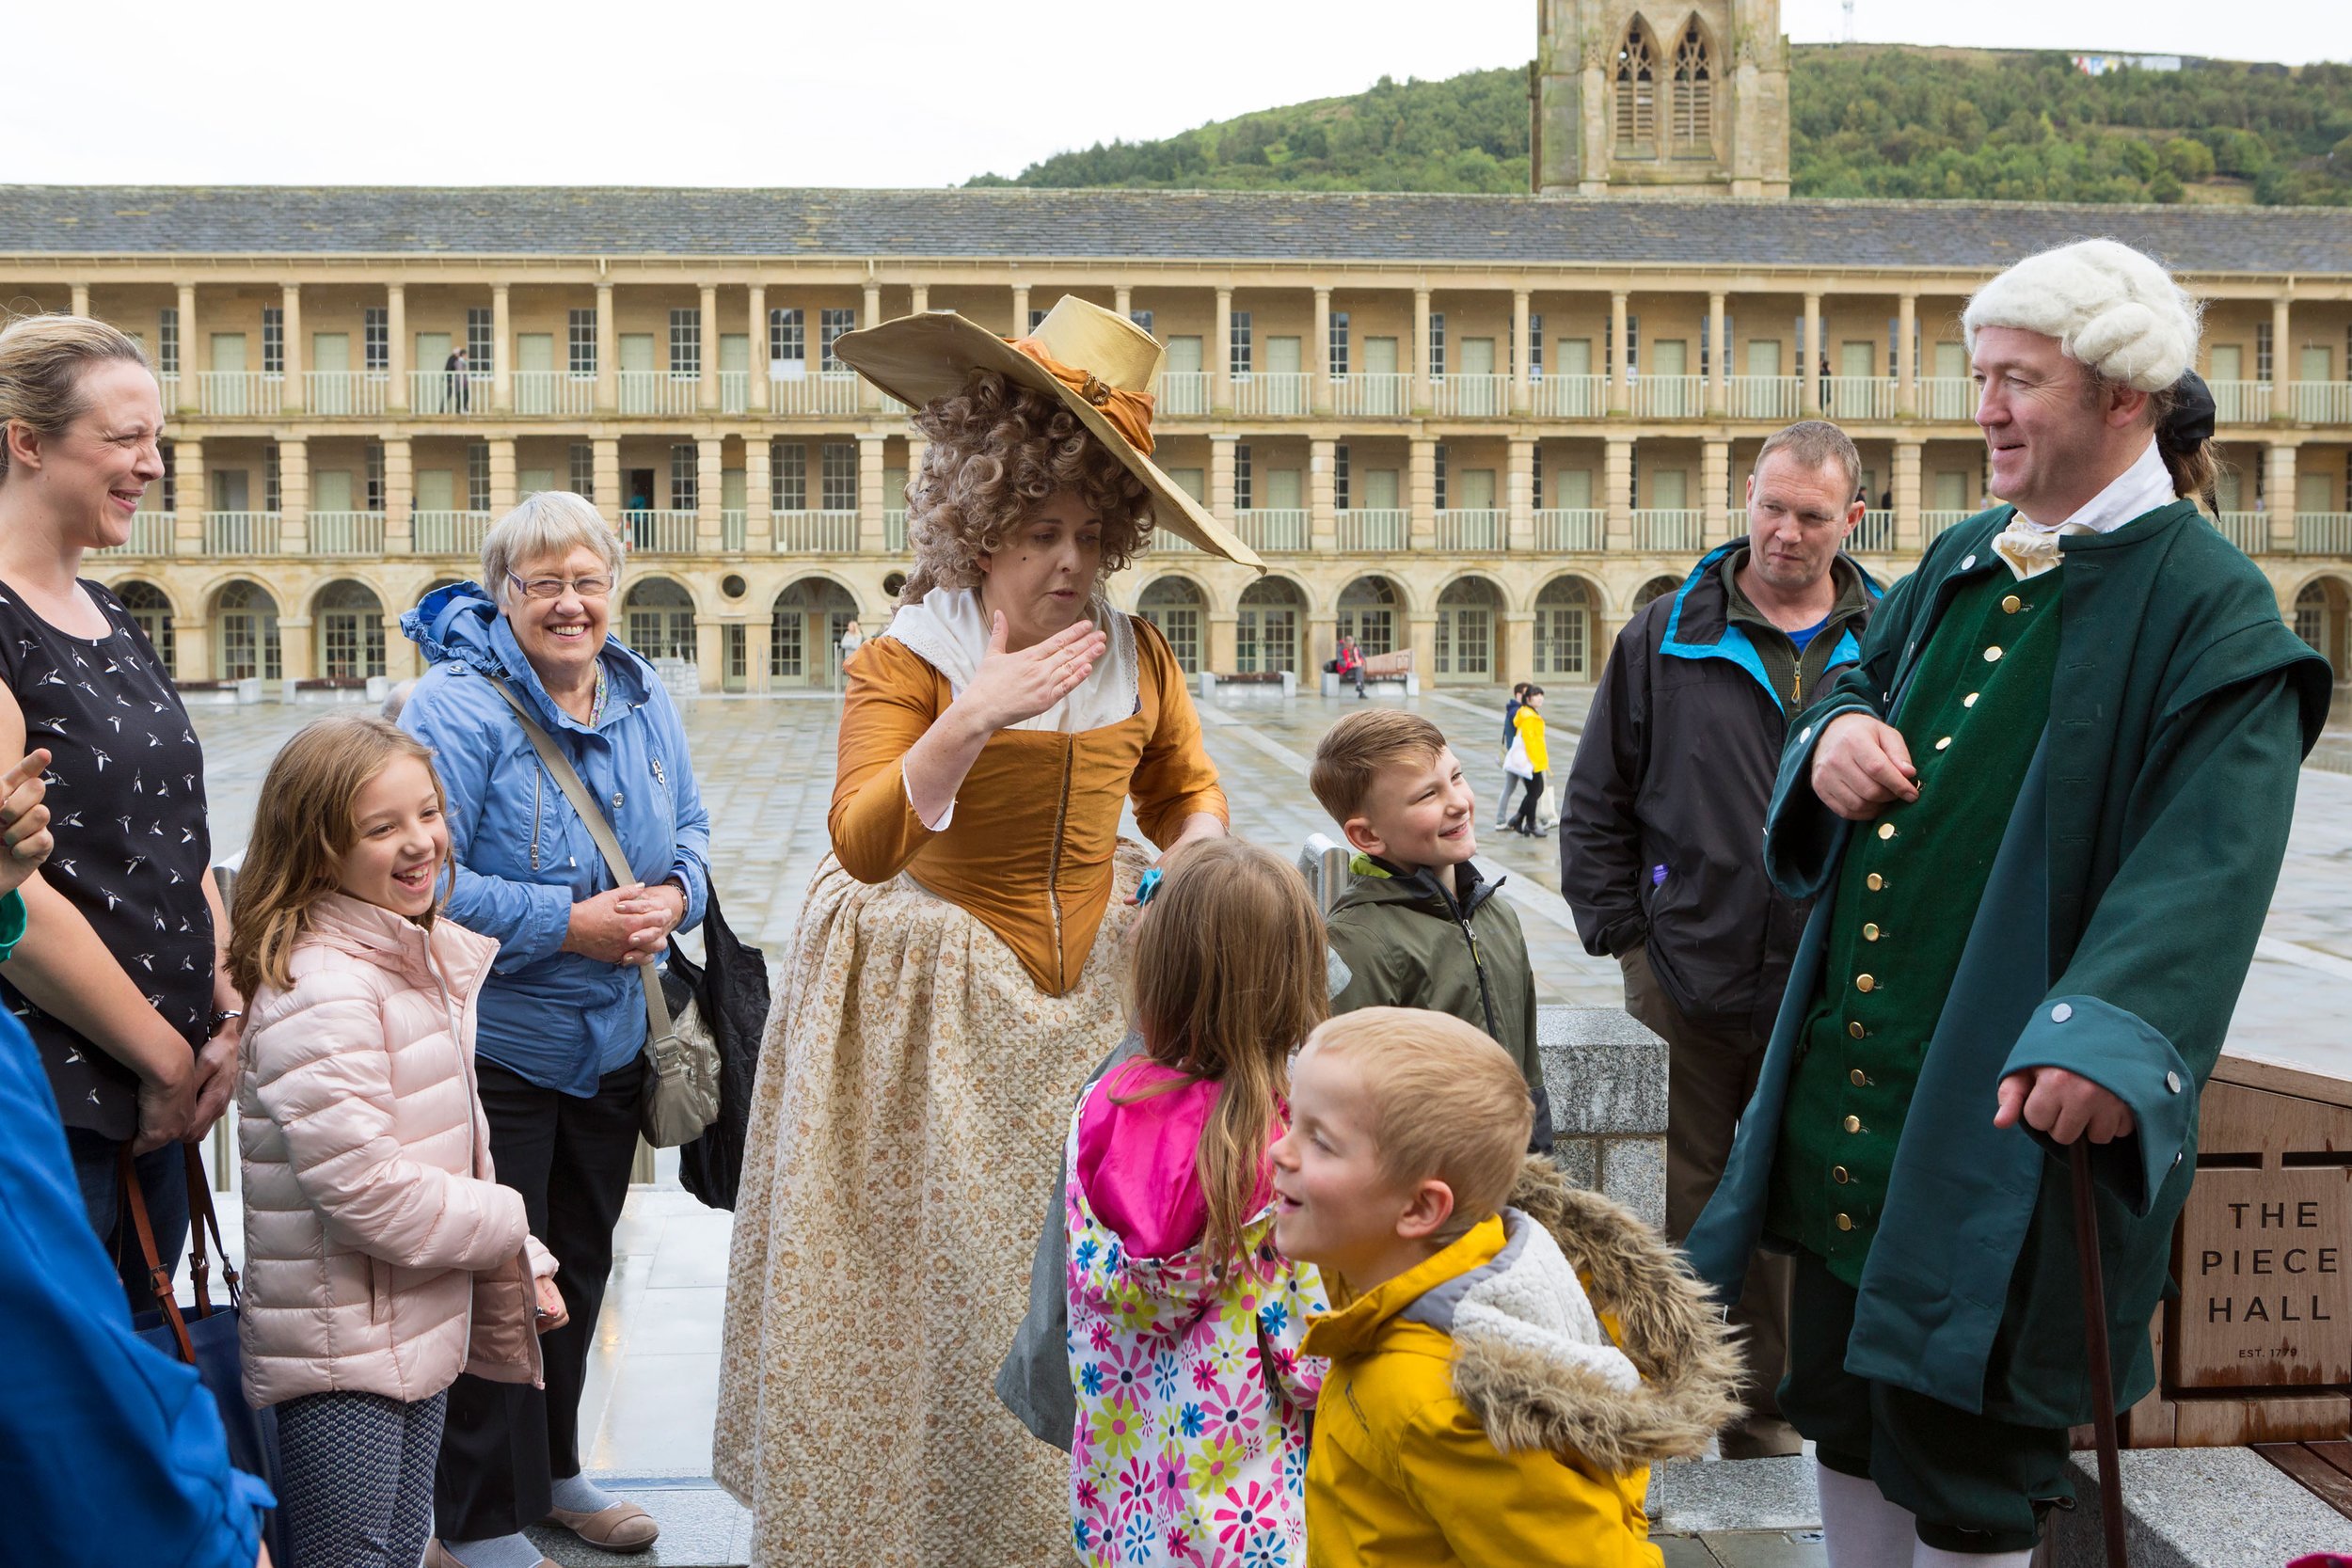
(912, 1092)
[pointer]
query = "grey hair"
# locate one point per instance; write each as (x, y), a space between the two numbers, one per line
(549, 523)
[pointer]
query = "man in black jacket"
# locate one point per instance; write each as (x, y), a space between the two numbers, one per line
(1661, 829)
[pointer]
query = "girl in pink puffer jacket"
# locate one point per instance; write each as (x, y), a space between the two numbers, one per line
(382, 1257)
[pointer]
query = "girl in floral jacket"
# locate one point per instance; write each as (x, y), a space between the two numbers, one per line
(1190, 1445)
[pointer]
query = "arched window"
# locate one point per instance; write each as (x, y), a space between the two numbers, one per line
(1265, 632)
(804, 628)
(151, 611)
(244, 622)
(1637, 93)
(1653, 588)
(1368, 613)
(350, 620)
(1173, 605)
(1692, 112)
(1564, 630)
(659, 620)
(1466, 630)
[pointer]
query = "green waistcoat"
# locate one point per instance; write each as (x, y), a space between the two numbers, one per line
(1971, 719)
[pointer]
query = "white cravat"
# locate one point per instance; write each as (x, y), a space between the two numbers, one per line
(2031, 549)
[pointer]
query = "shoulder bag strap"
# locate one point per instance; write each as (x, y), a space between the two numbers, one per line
(203, 1215)
(599, 828)
(158, 1277)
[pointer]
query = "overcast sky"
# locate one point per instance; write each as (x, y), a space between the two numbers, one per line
(889, 92)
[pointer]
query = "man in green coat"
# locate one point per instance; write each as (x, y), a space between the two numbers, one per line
(2042, 817)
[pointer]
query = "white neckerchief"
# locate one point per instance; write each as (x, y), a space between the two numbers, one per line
(2031, 549)
(948, 630)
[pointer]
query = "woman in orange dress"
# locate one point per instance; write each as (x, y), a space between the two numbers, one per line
(956, 973)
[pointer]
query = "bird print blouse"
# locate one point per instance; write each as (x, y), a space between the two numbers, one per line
(126, 807)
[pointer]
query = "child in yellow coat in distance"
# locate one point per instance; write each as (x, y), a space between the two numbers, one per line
(1502, 1377)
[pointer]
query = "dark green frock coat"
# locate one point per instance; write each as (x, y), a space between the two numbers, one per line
(2134, 871)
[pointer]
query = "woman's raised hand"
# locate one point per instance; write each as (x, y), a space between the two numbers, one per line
(1013, 687)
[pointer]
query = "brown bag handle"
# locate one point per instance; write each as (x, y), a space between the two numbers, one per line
(203, 1215)
(159, 1278)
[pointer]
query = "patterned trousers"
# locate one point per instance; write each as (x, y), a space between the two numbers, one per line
(356, 1482)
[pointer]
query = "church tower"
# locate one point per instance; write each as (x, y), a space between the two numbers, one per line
(1635, 98)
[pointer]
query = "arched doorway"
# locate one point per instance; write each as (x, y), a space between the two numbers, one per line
(1655, 587)
(1265, 632)
(657, 619)
(1173, 605)
(151, 611)
(1564, 630)
(1467, 610)
(347, 620)
(1368, 610)
(244, 634)
(804, 629)
(2319, 620)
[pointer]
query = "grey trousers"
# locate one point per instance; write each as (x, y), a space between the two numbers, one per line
(356, 1484)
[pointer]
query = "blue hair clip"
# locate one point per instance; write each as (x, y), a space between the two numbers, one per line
(1150, 885)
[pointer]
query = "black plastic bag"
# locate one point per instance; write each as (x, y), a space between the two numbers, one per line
(729, 990)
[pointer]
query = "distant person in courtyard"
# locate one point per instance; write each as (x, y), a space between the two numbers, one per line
(1529, 757)
(1664, 810)
(2044, 815)
(853, 639)
(1512, 782)
(457, 382)
(957, 970)
(1351, 662)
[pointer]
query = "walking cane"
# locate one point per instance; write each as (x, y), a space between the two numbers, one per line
(2102, 1370)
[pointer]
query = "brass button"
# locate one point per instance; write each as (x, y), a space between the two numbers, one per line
(1887, 830)
(1944, 743)
(1856, 1029)
(1838, 1174)
(1870, 933)
(1859, 1078)
(1875, 881)
(1853, 1124)
(1845, 1222)
(1970, 700)
(2012, 604)
(1864, 983)
(1992, 655)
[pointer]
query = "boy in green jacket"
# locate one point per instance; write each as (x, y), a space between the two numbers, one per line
(1418, 927)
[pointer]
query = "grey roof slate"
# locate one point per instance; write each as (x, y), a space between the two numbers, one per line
(1104, 225)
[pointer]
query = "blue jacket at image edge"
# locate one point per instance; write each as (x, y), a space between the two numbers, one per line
(561, 1019)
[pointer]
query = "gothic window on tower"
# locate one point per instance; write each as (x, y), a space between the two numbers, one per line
(1692, 108)
(1637, 94)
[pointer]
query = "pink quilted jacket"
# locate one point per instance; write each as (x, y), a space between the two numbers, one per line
(381, 1255)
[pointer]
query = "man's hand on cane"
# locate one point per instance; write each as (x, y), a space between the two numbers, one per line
(2066, 1105)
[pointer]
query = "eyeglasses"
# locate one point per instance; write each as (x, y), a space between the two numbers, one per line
(552, 587)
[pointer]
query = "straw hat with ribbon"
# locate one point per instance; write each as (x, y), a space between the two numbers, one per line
(1100, 364)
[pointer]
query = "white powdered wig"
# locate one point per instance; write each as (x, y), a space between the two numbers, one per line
(2109, 306)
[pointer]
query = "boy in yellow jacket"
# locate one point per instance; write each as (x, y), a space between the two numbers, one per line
(1485, 1404)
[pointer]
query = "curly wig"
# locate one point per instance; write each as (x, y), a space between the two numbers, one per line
(997, 450)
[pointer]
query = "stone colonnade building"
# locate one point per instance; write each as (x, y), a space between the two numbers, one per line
(1485, 428)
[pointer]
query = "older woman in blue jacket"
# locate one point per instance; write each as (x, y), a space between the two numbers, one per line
(560, 1045)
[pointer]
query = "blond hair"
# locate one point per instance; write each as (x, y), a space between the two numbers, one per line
(43, 360)
(1354, 751)
(303, 827)
(1227, 981)
(1447, 1102)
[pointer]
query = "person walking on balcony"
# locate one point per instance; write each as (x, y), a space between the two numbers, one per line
(2042, 814)
(1658, 855)
(459, 388)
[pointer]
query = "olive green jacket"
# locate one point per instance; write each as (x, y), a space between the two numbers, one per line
(2113, 938)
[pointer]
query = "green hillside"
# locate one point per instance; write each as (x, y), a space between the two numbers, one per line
(1867, 121)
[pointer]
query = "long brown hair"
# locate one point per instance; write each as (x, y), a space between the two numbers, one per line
(301, 831)
(1229, 980)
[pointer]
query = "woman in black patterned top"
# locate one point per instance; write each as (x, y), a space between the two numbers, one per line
(118, 978)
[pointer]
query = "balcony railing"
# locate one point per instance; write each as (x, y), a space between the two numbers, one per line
(2320, 401)
(1766, 397)
(1483, 527)
(1271, 393)
(243, 533)
(1862, 397)
(2249, 531)
(1675, 530)
(1184, 393)
(817, 532)
(233, 394)
(1379, 397)
(331, 393)
(1470, 397)
(168, 384)
(447, 532)
(735, 391)
(658, 530)
(2241, 402)
(895, 529)
(660, 392)
(1570, 397)
(1370, 531)
(1670, 397)
(1874, 534)
(1169, 542)
(346, 534)
(1280, 529)
(1948, 397)
(734, 527)
(151, 534)
(441, 394)
(1571, 528)
(2323, 533)
(826, 392)
(554, 392)
(1935, 522)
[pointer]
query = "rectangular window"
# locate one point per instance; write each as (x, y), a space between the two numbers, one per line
(273, 479)
(830, 323)
(685, 478)
(787, 476)
(585, 470)
(1535, 476)
(1438, 468)
(167, 341)
(376, 338)
(480, 338)
(1535, 346)
(477, 476)
(839, 477)
(376, 476)
(1037, 319)
(1237, 343)
(1142, 319)
(1339, 477)
(685, 342)
(582, 340)
(1241, 476)
(1437, 342)
(2263, 349)
(171, 476)
(1337, 347)
(272, 340)
(784, 338)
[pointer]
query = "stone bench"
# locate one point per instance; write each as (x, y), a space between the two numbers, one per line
(1269, 680)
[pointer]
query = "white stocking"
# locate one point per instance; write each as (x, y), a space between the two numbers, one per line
(1860, 1529)
(1925, 1556)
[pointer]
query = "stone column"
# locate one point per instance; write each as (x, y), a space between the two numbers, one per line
(1020, 309)
(870, 501)
(2279, 485)
(1422, 637)
(1421, 392)
(1221, 477)
(1809, 370)
(1620, 376)
(1323, 518)
(1222, 639)
(400, 496)
(294, 648)
(919, 298)
(1718, 355)
(1518, 654)
(1221, 355)
(1618, 539)
(1423, 482)
(1521, 536)
(1906, 362)
(81, 300)
(758, 403)
(189, 358)
(710, 495)
(501, 475)
(291, 397)
(1521, 350)
(294, 497)
(1907, 522)
(605, 465)
(395, 347)
(400, 655)
(707, 391)
(2281, 371)
(608, 370)
(709, 655)
(1715, 486)
(1319, 389)
(191, 491)
(501, 351)
(869, 314)
(758, 481)
(1123, 301)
